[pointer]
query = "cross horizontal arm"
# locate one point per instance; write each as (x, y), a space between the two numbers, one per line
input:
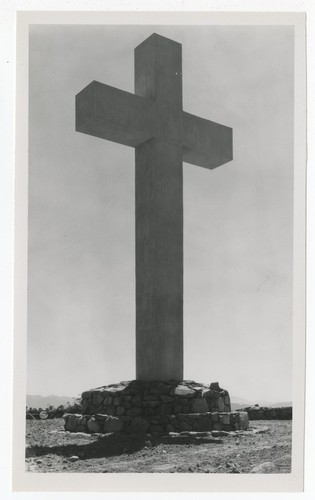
(206, 143)
(113, 114)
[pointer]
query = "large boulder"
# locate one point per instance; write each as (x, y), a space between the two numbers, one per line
(243, 420)
(71, 421)
(93, 425)
(199, 405)
(113, 424)
(185, 392)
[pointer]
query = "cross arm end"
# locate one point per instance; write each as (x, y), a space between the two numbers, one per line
(113, 114)
(206, 144)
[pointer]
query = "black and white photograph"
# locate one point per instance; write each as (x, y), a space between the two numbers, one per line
(161, 333)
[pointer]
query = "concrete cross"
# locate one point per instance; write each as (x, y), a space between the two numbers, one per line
(153, 122)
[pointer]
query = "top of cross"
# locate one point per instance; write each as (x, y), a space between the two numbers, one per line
(132, 119)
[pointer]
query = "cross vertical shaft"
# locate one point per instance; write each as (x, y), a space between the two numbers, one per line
(159, 216)
(153, 122)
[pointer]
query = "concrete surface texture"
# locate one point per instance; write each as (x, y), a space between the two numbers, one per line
(154, 123)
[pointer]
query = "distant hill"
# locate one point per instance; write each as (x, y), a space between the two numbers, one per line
(37, 401)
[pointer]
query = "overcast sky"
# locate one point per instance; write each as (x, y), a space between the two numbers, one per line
(238, 219)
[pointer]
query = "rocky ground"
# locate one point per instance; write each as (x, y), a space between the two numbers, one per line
(264, 448)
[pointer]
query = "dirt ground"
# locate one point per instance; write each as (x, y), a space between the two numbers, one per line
(264, 448)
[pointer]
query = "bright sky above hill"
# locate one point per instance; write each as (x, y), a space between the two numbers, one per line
(238, 219)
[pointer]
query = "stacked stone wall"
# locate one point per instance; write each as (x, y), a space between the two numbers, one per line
(149, 399)
(158, 424)
(267, 413)
(156, 407)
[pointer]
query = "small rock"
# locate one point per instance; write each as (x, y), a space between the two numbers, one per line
(264, 468)
(71, 421)
(196, 433)
(113, 424)
(243, 420)
(261, 430)
(225, 418)
(93, 425)
(74, 458)
(39, 461)
(183, 391)
(101, 416)
(215, 416)
(215, 386)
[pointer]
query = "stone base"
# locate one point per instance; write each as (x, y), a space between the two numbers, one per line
(158, 424)
(156, 407)
(149, 399)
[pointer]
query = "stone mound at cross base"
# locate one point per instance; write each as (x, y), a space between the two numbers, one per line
(137, 398)
(156, 407)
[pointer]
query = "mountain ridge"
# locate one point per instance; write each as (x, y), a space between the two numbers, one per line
(39, 401)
